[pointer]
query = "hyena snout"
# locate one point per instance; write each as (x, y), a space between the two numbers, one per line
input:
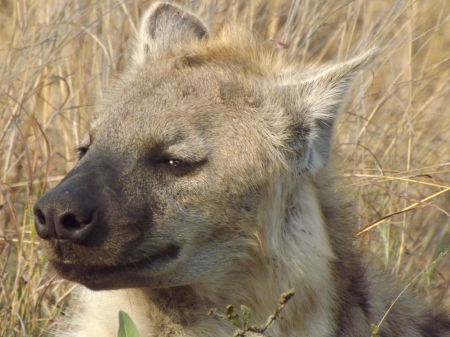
(67, 212)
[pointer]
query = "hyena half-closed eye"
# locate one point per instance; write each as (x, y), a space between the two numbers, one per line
(206, 180)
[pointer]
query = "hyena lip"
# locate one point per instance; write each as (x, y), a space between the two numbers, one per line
(129, 275)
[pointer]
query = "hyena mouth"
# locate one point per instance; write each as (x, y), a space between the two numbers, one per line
(133, 274)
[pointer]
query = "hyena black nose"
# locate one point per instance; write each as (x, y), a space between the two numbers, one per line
(65, 214)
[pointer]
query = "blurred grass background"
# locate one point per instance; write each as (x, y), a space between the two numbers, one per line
(56, 56)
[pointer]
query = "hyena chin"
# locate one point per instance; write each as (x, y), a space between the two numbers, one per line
(205, 180)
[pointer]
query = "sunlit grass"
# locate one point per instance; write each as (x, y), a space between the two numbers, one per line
(57, 56)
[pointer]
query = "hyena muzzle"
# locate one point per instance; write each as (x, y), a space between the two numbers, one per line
(206, 179)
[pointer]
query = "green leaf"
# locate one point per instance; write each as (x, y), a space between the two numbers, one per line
(247, 317)
(233, 317)
(236, 322)
(374, 328)
(239, 333)
(230, 311)
(127, 328)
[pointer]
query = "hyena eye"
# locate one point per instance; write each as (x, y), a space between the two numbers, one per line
(179, 166)
(81, 151)
(85, 143)
(176, 163)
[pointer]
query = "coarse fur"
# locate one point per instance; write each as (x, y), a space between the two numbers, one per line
(206, 180)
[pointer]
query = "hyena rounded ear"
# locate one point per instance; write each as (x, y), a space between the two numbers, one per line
(313, 103)
(166, 27)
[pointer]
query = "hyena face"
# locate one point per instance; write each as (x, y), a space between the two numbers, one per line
(158, 187)
(179, 164)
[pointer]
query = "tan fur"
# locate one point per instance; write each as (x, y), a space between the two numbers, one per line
(257, 209)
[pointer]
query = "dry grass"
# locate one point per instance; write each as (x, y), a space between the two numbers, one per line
(394, 138)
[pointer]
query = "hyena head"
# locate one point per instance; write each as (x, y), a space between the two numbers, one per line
(185, 156)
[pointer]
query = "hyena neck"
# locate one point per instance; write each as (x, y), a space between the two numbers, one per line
(293, 240)
(300, 256)
(310, 248)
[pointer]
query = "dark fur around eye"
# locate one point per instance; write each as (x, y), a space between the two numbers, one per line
(175, 166)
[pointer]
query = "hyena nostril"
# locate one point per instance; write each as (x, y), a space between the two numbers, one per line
(76, 226)
(44, 222)
(70, 222)
(40, 217)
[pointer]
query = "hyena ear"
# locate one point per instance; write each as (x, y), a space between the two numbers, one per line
(166, 27)
(314, 103)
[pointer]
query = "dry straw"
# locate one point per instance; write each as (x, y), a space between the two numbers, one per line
(56, 55)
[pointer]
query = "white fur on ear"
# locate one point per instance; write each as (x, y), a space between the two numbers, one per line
(165, 27)
(317, 100)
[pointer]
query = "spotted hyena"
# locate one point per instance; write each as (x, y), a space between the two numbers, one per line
(205, 180)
